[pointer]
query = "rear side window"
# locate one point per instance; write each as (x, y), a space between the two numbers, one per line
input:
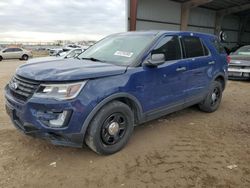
(170, 46)
(193, 46)
(218, 46)
(206, 52)
(17, 50)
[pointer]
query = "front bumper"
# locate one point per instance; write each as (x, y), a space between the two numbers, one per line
(26, 117)
(239, 73)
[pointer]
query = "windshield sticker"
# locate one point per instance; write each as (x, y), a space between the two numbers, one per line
(124, 54)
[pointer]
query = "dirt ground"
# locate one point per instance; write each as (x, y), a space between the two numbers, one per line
(188, 148)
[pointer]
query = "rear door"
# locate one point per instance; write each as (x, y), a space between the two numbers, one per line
(200, 66)
(17, 53)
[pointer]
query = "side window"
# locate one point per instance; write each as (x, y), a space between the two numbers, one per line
(9, 50)
(170, 46)
(17, 50)
(193, 46)
(206, 52)
(218, 46)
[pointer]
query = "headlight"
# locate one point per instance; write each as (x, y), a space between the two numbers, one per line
(59, 91)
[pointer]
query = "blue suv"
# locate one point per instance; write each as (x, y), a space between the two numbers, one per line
(123, 80)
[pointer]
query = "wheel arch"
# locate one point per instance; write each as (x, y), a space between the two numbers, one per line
(221, 78)
(25, 54)
(126, 98)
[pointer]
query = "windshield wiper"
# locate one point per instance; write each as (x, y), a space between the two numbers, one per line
(92, 59)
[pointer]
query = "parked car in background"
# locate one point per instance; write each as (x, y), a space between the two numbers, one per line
(121, 81)
(55, 51)
(73, 46)
(15, 53)
(239, 66)
(62, 55)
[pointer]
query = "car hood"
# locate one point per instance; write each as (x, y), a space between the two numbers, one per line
(68, 70)
(241, 60)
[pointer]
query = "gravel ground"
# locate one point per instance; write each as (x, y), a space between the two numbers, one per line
(188, 148)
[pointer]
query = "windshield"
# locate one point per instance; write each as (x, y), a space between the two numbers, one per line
(245, 50)
(118, 49)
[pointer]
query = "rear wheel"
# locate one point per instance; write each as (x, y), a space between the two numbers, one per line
(25, 57)
(111, 128)
(213, 99)
(1, 58)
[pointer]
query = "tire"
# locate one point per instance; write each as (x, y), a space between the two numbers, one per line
(212, 101)
(1, 58)
(25, 57)
(110, 129)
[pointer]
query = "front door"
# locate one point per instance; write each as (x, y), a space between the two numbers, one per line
(163, 86)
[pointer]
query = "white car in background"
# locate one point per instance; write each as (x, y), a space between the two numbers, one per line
(62, 55)
(55, 51)
(15, 53)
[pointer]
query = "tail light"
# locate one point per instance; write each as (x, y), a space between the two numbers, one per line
(228, 59)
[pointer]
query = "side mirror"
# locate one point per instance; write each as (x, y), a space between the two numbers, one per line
(155, 60)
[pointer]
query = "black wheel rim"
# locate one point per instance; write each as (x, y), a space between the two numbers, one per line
(215, 97)
(114, 128)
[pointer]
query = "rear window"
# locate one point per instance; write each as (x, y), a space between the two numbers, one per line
(218, 46)
(193, 46)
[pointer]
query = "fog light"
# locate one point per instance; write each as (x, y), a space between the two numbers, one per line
(59, 121)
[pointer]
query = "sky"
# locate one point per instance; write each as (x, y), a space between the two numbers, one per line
(49, 20)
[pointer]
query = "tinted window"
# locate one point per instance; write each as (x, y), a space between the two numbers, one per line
(220, 49)
(17, 49)
(9, 50)
(170, 46)
(206, 52)
(193, 47)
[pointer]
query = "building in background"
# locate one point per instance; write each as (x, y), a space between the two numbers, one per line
(208, 16)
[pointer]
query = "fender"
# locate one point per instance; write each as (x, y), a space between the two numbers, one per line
(224, 76)
(105, 101)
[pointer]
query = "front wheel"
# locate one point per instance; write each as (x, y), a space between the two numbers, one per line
(110, 129)
(212, 101)
(1, 58)
(25, 57)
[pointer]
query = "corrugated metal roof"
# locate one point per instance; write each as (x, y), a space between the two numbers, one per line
(220, 4)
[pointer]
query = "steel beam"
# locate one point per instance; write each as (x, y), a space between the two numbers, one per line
(133, 14)
(221, 13)
(185, 10)
(235, 9)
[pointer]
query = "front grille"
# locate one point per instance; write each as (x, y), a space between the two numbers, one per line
(22, 88)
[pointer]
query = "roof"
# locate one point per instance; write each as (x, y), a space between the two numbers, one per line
(162, 32)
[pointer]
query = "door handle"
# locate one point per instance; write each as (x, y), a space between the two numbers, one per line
(211, 62)
(181, 69)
